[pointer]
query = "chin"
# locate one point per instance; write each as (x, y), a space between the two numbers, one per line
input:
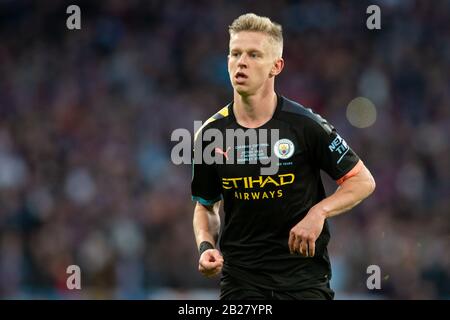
(242, 91)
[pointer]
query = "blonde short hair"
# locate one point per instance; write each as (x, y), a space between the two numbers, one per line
(253, 22)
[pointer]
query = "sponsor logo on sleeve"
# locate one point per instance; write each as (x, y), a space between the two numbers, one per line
(340, 147)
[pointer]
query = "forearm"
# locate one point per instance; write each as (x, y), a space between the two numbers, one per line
(348, 195)
(206, 223)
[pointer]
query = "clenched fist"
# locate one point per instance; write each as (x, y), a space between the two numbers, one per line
(210, 263)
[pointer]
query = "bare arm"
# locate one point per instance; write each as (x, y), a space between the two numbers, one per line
(206, 228)
(351, 192)
(206, 223)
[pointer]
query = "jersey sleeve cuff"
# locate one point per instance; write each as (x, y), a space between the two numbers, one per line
(206, 202)
(356, 169)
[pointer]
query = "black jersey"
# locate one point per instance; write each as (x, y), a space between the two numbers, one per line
(261, 209)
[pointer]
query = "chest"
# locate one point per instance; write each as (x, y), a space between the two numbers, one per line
(268, 156)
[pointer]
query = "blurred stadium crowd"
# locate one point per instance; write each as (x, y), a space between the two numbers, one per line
(86, 118)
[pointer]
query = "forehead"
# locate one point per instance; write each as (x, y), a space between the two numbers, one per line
(249, 39)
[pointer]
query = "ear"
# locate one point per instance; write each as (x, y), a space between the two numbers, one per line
(277, 67)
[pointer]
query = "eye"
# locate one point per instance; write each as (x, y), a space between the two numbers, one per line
(235, 54)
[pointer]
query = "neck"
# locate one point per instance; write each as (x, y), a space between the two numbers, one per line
(255, 110)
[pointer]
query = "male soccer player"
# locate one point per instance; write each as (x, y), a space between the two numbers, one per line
(273, 244)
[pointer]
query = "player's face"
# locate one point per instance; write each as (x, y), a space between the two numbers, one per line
(250, 62)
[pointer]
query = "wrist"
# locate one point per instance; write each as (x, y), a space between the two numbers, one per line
(319, 211)
(205, 245)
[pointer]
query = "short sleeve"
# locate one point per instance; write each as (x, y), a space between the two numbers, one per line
(329, 150)
(205, 185)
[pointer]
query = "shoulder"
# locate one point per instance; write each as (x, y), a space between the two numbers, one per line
(298, 114)
(214, 119)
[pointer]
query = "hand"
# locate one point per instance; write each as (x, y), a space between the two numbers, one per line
(210, 263)
(303, 236)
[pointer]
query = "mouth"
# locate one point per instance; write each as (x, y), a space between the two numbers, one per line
(240, 77)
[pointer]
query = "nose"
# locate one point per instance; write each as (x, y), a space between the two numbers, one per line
(242, 62)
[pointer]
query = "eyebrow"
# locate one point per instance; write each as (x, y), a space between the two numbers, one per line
(248, 50)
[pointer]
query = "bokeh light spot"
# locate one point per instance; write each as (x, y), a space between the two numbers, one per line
(361, 112)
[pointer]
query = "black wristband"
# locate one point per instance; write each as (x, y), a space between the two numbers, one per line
(205, 245)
